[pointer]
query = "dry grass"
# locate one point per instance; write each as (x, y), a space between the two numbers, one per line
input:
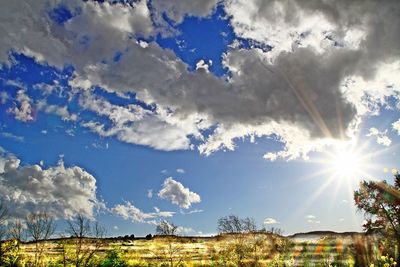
(203, 251)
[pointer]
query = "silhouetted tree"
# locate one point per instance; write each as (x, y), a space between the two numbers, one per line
(246, 239)
(87, 239)
(381, 203)
(233, 224)
(17, 230)
(172, 250)
(40, 227)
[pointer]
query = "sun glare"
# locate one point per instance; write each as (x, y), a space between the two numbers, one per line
(346, 164)
(342, 166)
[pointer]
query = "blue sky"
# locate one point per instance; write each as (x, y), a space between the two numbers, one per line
(134, 113)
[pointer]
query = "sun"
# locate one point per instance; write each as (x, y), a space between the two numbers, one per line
(351, 161)
(346, 164)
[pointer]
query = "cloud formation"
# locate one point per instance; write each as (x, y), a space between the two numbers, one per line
(22, 110)
(129, 212)
(60, 191)
(61, 111)
(134, 124)
(179, 195)
(381, 137)
(270, 221)
(326, 65)
(396, 126)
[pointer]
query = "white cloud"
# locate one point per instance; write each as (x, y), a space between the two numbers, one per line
(4, 97)
(175, 192)
(61, 191)
(180, 170)
(70, 132)
(270, 221)
(381, 137)
(61, 111)
(99, 145)
(95, 33)
(191, 211)
(186, 231)
(202, 65)
(12, 136)
(134, 124)
(129, 212)
(312, 219)
(396, 126)
(23, 109)
(150, 193)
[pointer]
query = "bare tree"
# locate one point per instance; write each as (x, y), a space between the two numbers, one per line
(230, 224)
(17, 230)
(3, 230)
(87, 239)
(172, 250)
(40, 227)
(246, 238)
(233, 224)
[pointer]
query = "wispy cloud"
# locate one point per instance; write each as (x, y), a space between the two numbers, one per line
(270, 221)
(129, 212)
(312, 219)
(191, 211)
(12, 136)
(179, 170)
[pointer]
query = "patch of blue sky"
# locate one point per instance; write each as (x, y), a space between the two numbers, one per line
(61, 14)
(29, 75)
(124, 99)
(26, 69)
(250, 44)
(201, 39)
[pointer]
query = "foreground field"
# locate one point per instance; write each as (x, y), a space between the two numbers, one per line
(255, 249)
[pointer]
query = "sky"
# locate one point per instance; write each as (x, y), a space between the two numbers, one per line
(132, 112)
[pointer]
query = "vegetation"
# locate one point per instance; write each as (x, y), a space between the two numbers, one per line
(39, 227)
(171, 252)
(83, 248)
(381, 203)
(3, 231)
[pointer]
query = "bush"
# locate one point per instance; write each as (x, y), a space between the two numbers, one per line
(113, 259)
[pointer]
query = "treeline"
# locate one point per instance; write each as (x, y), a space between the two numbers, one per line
(85, 238)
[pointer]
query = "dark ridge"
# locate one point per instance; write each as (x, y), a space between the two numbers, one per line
(320, 233)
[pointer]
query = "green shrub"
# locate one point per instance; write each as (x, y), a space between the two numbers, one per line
(113, 259)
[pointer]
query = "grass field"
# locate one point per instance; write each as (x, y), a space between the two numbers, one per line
(261, 249)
